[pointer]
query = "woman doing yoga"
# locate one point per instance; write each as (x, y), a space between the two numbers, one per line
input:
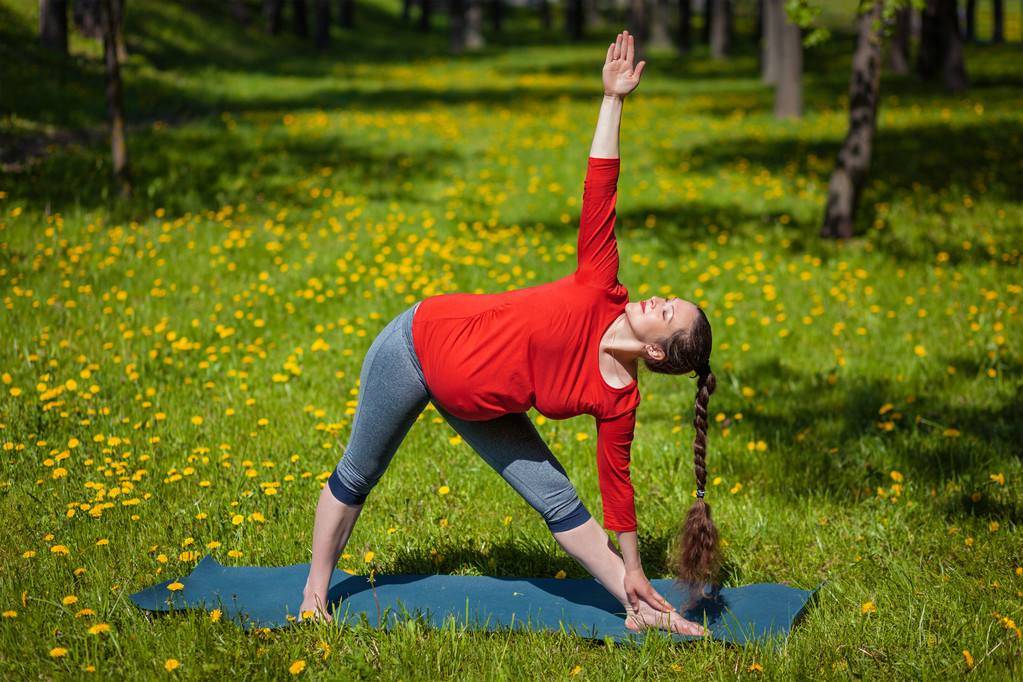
(567, 347)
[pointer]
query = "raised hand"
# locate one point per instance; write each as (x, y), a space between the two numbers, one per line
(620, 76)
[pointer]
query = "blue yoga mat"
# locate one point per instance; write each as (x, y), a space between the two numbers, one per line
(255, 596)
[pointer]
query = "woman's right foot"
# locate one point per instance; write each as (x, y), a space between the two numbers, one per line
(314, 608)
(648, 617)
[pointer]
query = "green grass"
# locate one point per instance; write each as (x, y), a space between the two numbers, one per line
(868, 416)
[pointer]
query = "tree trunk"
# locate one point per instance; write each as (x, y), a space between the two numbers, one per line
(898, 59)
(998, 28)
(322, 37)
(720, 31)
(941, 46)
(300, 18)
(115, 100)
(272, 11)
(685, 26)
(788, 91)
(971, 21)
(574, 19)
(425, 10)
(87, 18)
(708, 16)
(853, 161)
(117, 6)
(773, 15)
(474, 25)
(659, 20)
(496, 14)
(639, 26)
(456, 20)
(240, 12)
(758, 24)
(53, 24)
(346, 13)
(545, 15)
(591, 15)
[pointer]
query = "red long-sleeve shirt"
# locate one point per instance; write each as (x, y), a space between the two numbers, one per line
(485, 355)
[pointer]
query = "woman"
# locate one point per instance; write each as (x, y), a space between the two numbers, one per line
(566, 347)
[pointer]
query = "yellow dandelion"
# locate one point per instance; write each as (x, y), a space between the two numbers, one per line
(235, 553)
(296, 667)
(581, 436)
(736, 488)
(896, 476)
(99, 628)
(58, 652)
(867, 607)
(443, 490)
(560, 575)
(920, 350)
(969, 658)
(951, 433)
(755, 667)
(237, 519)
(69, 600)
(171, 664)
(175, 586)
(10, 614)
(197, 420)
(73, 443)
(748, 392)
(82, 613)
(575, 671)
(215, 615)
(998, 478)
(102, 541)
(993, 526)
(369, 557)
(60, 549)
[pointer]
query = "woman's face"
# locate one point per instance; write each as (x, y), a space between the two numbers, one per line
(655, 318)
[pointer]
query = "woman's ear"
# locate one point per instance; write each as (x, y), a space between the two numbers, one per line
(654, 352)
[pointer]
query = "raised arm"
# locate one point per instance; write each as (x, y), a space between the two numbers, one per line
(597, 249)
(620, 78)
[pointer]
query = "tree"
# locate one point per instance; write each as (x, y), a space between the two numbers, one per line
(300, 18)
(971, 21)
(898, 59)
(322, 24)
(787, 37)
(115, 99)
(685, 26)
(720, 28)
(998, 28)
(272, 11)
(346, 13)
(769, 53)
(639, 26)
(853, 163)
(425, 10)
(659, 22)
(574, 19)
(53, 24)
(466, 20)
(941, 45)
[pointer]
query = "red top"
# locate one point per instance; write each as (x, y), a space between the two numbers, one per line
(485, 355)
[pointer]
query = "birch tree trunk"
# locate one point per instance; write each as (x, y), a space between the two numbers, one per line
(853, 161)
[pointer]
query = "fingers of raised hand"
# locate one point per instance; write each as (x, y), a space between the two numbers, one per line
(631, 50)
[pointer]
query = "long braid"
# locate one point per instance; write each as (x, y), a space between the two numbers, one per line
(698, 559)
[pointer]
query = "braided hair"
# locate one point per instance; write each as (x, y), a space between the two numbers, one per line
(697, 558)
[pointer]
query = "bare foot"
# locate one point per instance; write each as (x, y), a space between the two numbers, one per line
(313, 608)
(648, 617)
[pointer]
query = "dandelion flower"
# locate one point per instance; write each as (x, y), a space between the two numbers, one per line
(58, 651)
(296, 667)
(175, 586)
(171, 664)
(868, 607)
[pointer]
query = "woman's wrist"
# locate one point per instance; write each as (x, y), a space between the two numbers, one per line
(613, 96)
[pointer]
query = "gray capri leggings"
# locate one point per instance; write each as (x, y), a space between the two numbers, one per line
(392, 395)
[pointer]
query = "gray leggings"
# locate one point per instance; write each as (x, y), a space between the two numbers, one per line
(393, 393)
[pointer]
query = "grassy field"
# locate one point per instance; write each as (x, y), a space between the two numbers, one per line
(179, 371)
